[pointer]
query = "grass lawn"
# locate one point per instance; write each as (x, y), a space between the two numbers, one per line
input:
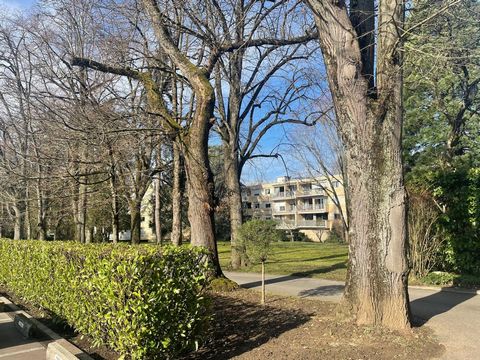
(317, 260)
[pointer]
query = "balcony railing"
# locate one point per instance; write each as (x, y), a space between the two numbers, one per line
(310, 192)
(283, 194)
(311, 207)
(286, 224)
(288, 209)
(312, 223)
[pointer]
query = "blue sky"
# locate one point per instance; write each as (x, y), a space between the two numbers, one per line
(18, 4)
(261, 169)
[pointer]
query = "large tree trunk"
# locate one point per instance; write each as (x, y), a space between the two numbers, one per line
(370, 125)
(200, 179)
(135, 220)
(176, 236)
(232, 179)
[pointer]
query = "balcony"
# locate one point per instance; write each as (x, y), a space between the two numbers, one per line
(319, 223)
(310, 192)
(282, 195)
(286, 224)
(285, 210)
(311, 208)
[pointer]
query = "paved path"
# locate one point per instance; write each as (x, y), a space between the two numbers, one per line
(13, 346)
(454, 316)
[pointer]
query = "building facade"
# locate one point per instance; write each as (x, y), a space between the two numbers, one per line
(304, 205)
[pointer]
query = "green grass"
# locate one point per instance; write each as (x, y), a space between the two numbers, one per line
(317, 260)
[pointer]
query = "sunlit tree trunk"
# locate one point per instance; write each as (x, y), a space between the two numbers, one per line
(370, 123)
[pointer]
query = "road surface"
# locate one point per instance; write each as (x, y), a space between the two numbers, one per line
(454, 316)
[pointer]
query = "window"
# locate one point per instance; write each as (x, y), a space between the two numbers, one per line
(268, 206)
(257, 206)
(248, 205)
(336, 216)
(336, 184)
(268, 218)
(282, 208)
(320, 203)
(256, 193)
(308, 217)
(267, 191)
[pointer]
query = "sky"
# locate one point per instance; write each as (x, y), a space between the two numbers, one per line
(17, 5)
(259, 170)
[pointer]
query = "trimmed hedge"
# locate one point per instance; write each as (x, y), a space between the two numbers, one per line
(142, 301)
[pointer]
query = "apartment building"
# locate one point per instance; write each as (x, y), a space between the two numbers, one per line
(305, 205)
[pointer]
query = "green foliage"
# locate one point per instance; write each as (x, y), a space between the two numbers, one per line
(442, 124)
(443, 278)
(461, 220)
(257, 237)
(141, 301)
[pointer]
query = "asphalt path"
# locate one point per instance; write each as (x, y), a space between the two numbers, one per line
(454, 315)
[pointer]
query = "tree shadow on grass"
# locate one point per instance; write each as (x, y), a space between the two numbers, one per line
(321, 270)
(240, 326)
(338, 256)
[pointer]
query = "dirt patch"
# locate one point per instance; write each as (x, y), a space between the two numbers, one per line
(285, 328)
(292, 328)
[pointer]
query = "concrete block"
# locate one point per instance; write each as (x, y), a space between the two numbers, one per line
(63, 350)
(24, 325)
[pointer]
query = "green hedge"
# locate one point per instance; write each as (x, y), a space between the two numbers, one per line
(141, 301)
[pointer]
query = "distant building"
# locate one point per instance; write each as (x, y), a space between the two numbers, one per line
(296, 204)
(147, 227)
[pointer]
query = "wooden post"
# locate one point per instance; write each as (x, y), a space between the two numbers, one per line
(263, 283)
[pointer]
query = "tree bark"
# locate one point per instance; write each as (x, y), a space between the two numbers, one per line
(135, 220)
(158, 204)
(114, 198)
(199, 174)
(176, 236)
(370, 127)
(114, 209)
(232, 179)
(200, 181)
(82, 211)
(18, 223)
(41, 225)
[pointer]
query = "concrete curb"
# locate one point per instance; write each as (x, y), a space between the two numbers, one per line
(59, 349)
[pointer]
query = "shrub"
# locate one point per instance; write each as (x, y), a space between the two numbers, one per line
(256, 237)
(141, 301)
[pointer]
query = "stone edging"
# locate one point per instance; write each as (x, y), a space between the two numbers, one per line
(59, 348)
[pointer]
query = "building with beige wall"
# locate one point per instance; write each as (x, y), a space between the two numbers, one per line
(306, 205)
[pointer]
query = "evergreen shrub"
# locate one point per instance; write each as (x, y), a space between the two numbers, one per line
(142, 301)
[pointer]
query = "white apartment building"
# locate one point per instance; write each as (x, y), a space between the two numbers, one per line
(297, 204)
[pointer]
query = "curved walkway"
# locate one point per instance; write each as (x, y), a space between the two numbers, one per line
(453, 315)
